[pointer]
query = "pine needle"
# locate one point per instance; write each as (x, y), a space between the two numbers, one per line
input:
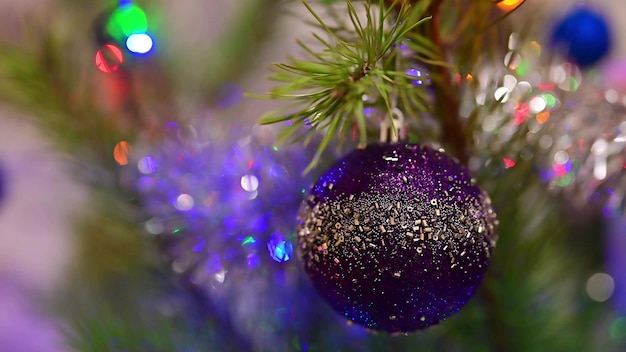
(329, 86)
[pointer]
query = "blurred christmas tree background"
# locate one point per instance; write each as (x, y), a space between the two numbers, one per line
(143, 207)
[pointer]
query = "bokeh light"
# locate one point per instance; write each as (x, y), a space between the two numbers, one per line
(223, 201)
(521, 113)
(253, 261)
(419, 77)
(227, 95)
(502, 94)
(109, 58)
(249, 183)
(537, 104)
(154, 226)
(184, 202)
(542, 102)
(249, 240)
(600, 287)
(139, 43)
(146, 165)
(508, 163)
(280, 249)
(508, 5)
(543, 117)
(121, 151)
(618, 330)
(126, 20)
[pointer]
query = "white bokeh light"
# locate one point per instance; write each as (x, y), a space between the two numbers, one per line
(184, 202)
(600, 287)
(139, 43)
(146, 166)
(249, 183)
(537, 104)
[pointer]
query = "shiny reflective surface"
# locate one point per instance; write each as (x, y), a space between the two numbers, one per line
(570, 121)
(225, 210)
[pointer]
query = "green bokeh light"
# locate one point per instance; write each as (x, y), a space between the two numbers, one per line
(565, 180)
(127, 20)
(550, 100)
(618, 330)
(573, 84)
(248, 240)
(523, 68)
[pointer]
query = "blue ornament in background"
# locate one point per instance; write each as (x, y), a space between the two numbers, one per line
(583, 36)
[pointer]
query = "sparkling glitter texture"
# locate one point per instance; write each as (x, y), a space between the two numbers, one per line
(221, 203)
(396, 237)
(568, 121)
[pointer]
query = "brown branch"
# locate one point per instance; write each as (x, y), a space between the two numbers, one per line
(455, 135)
(343, 87)
(457, 139)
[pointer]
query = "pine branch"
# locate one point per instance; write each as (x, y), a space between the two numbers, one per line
(327, 90)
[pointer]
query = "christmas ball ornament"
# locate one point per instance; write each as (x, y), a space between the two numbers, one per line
(396, 237)
(583, 36)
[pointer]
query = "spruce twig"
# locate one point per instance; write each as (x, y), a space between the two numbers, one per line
(327, 90)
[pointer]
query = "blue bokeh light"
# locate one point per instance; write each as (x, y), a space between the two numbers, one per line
(280, 249)
(253, 261)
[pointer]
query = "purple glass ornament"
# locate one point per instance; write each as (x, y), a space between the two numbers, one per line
(396, 237)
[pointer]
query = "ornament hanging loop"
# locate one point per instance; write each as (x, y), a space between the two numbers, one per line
(393, 125)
